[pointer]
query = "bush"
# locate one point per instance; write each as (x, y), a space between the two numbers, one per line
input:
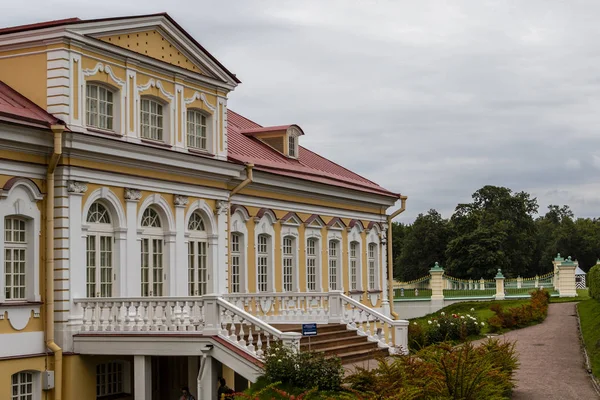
(593, 281)
(442, 327)
(519, 317)
(302, 370)
(442, 372)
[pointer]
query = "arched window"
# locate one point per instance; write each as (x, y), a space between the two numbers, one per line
(312, 260)
(197, 130)
(289, 263)
(99, 107)
(236, 261)
(22, 386)
(151, 119)
(197, 256)
(263, 259)
(372, 259)
(354, 265)
(99, 252)
(15, 257)
(152, 253)
(334, 265)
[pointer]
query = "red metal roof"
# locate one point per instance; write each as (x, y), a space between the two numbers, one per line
(309, 166)
(17, 108)
(72, 21)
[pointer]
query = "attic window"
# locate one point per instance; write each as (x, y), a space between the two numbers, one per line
(292, 146)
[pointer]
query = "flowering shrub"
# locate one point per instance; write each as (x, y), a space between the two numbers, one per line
(519, 317)
(442, 327)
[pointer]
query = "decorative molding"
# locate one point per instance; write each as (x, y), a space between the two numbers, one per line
(20, 315)
(181, 200)
(222, 207)
(201, 97)
(157, 84)
(104, 68)
(76, 187)
(133, 194)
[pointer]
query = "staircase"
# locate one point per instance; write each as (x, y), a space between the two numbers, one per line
(337, 340)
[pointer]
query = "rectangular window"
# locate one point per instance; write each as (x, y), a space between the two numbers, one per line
(109, 379)
(196, 130)
(99, 107)
(288, 264)
(105, 266)
(372, 265)
(91, 266)
(292, 146)
(152, 267)
(151, 120)
(15, 261)
(311, 264)
(263, 263)
(235, 263)
(197, 272)
(333, 265)
(353, 266)
(22, 386)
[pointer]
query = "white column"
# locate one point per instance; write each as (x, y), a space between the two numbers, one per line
(179, 267)
(133, 274)
(142, 377)
(208, 381)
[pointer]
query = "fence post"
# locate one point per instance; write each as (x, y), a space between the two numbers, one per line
(566, 278)
(519, 282)
(499, 285)
(291, 339)
(211, 315)
(335, 307)
(400, 328)
(555, 279)
(482, 284)
(437, 287)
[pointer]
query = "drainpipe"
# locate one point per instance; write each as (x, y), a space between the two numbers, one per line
(243, 184)
(49, 300)
(390, 255)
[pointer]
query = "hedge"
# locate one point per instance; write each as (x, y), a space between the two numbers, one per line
(593, 281)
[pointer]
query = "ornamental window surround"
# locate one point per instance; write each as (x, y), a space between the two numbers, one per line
(355, 256)
(312, 264)
(334, 251)
(289, 263)
(372, 260)
(238, 282)
(15, 260)
(263, 251)
(100, 105)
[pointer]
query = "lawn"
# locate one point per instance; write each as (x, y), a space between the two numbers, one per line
(589, 315)
(582, 294)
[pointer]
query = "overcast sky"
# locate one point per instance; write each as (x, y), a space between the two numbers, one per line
(433, 99)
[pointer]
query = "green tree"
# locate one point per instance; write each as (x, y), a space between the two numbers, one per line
(496, 230)
(399, 233)
(423, 245)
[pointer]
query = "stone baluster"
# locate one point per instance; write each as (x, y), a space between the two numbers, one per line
(145, 313)
(138, 317)
(250, 338)
(259, 343)
(94, 316)
(241, 333)
(85, 320)
(120, 319)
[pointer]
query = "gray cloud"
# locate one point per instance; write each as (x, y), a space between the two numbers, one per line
(433, 99)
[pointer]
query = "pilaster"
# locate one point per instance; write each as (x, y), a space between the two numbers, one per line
(133, 272)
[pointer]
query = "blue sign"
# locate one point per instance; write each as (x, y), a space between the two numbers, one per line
(309, 329)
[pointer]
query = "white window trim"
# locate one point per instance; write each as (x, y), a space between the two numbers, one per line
(291, 231)
(209, 131)
(312, 233)
(199, 236)
(336, 235)
(265, 226)
(20, 201)
(36, 384)
(373, 237)
(116, 92)
(238, 226)
(167, 130)
(355, 235)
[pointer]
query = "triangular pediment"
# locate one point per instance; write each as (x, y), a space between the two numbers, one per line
(158, 37)
(291, 219)
(314, 221)
(336, 223)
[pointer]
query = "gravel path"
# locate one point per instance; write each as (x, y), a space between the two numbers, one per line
(552, 364)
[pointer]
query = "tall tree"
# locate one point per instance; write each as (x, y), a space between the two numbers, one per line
(424, 244)
(496, 230)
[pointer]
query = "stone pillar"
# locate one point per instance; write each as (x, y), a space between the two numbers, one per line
(291, 339)
(519, 282)
(499, 285)
(212, 324)
(178, 284)
(566, 278)
(207, 387)
(482, 284)
(437, 288)
(133, 273)
(335, 307)
(142, 377)
(556, 262)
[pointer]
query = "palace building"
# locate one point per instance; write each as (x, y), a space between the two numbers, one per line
(152, 237)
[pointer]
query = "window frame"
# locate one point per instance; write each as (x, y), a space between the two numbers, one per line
(333, 264)
(235, 284)
(163, 115)
(123, 373)
(36, 389)
(100, 231)
(207, 129)
(263, 255)
(288, 255)
(373, 267)
(198, 258)
(316, 259)
(13, 247)
(114, 104)
(153, 244)
(354, 256)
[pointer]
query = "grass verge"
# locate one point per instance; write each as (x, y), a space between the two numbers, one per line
(582, 295)
(589, 315)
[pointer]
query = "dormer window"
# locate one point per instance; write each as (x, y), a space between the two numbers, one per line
(197, 128)
(152, 120)
(283, 138)
(99, 107)
(292, 146)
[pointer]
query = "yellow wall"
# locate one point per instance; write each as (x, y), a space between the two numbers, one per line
(27, 75)
(10, 367)
(84, 369)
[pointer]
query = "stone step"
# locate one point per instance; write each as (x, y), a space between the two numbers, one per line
(341, 350)
(328, 343)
